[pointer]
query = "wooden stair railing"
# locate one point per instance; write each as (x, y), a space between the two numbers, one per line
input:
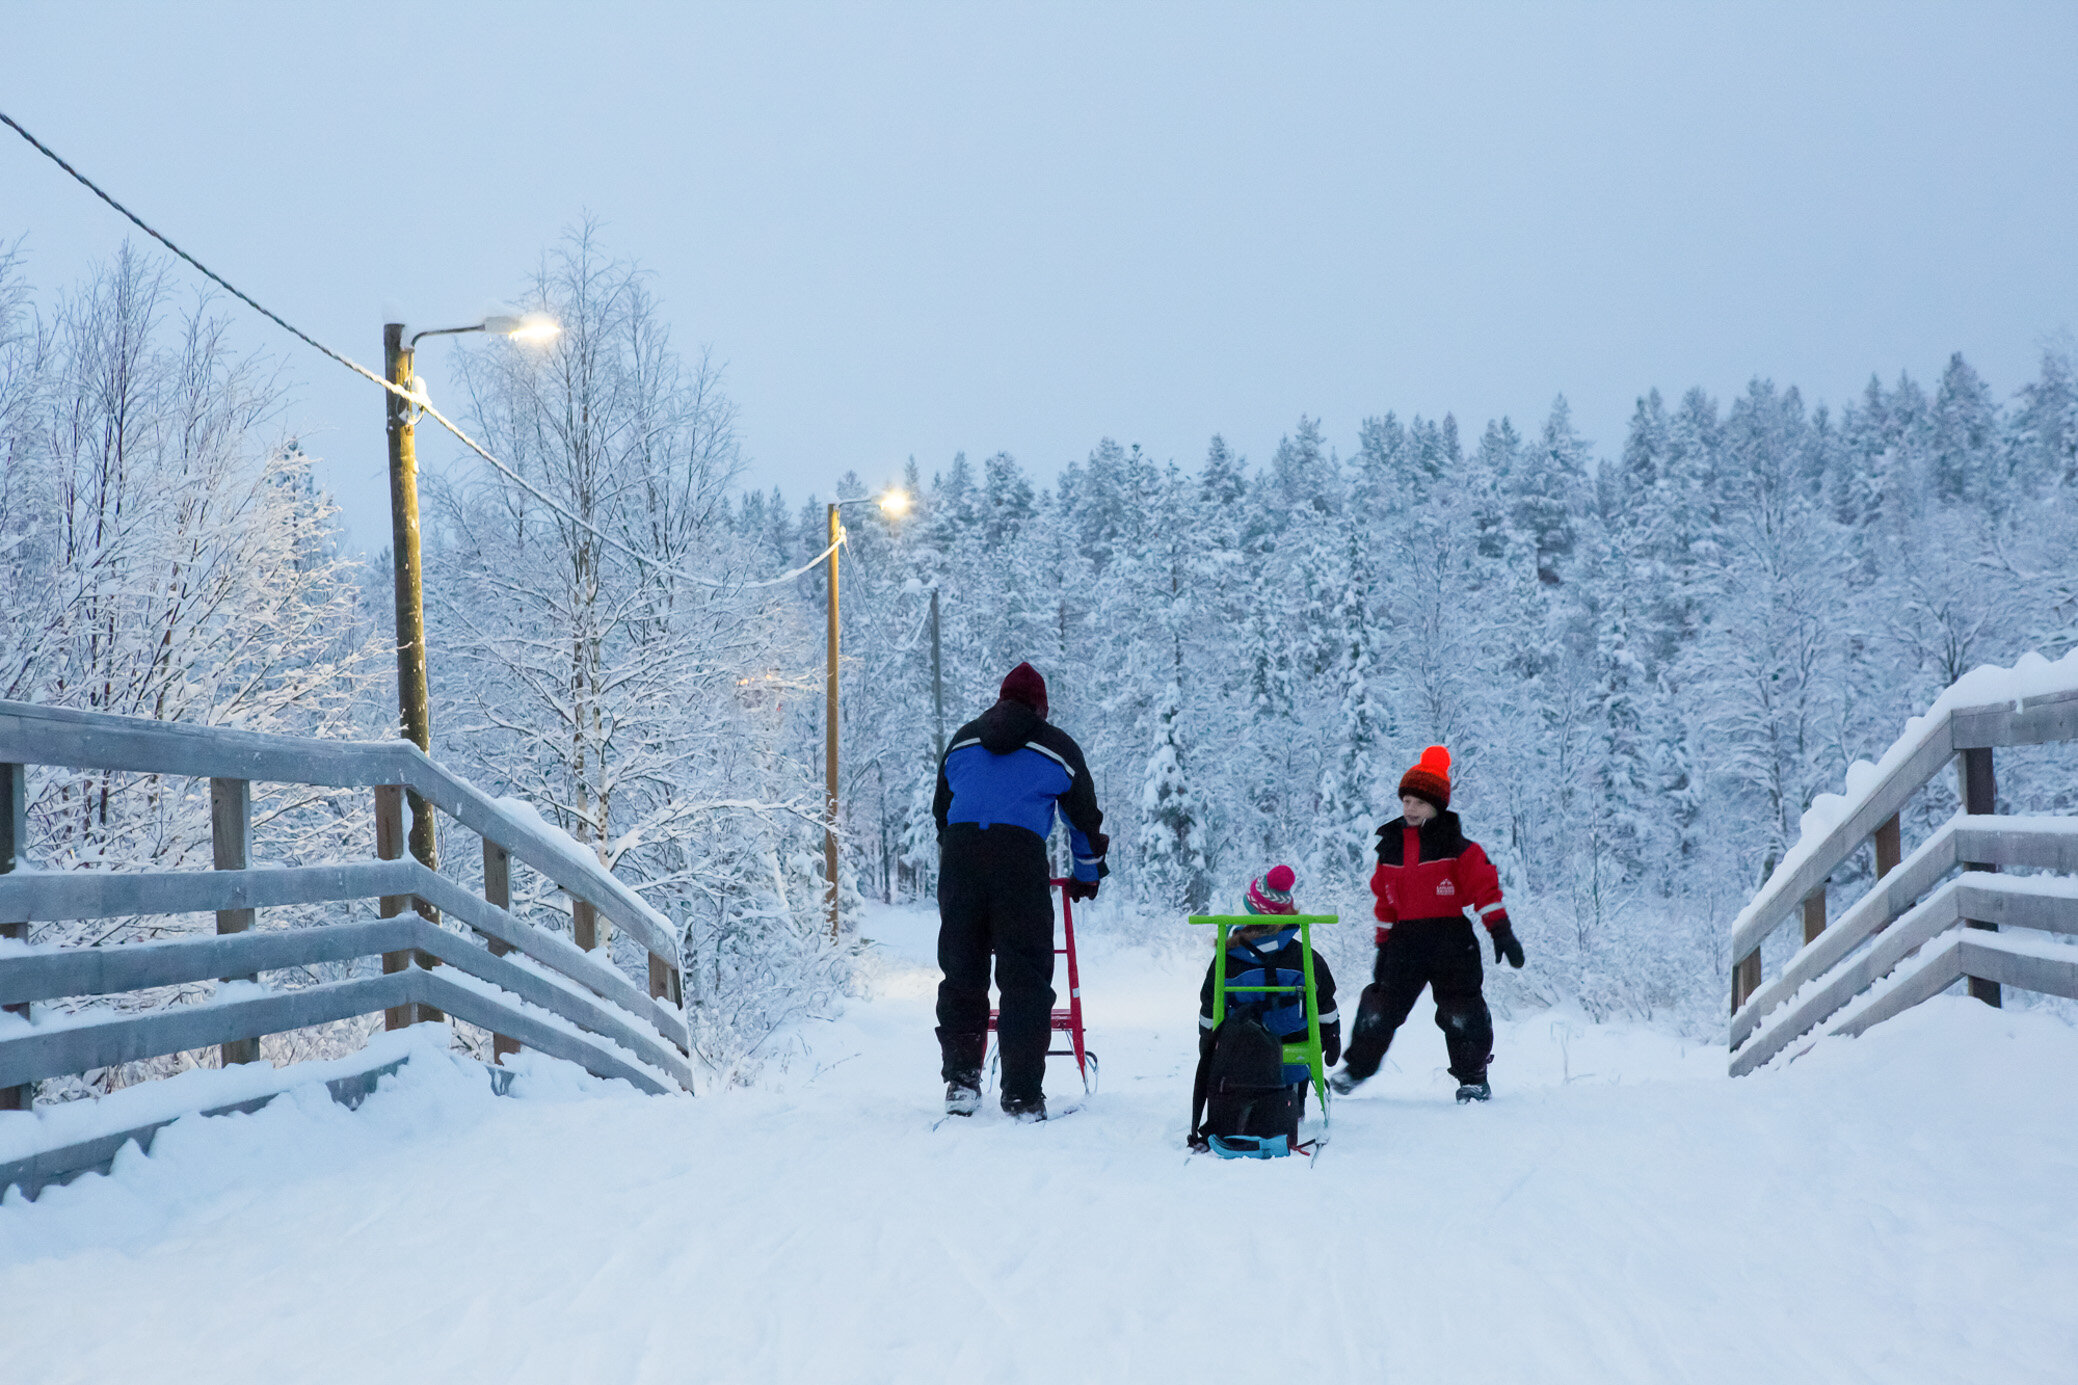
(527, 985)
(1883, 940)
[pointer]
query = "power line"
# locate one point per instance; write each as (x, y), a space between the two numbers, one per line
(217, 278)
(415, 399)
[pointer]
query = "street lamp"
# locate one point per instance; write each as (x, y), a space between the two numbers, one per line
(414, 704)
(894, 503)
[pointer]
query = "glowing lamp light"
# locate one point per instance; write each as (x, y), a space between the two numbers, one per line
(534, 328)
(895, 503)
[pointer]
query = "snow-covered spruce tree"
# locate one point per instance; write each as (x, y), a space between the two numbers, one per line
(644, 711)
(1356, 778)
(1172, 874)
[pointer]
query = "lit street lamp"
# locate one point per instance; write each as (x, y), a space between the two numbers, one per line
(895, 504)
(414, 704)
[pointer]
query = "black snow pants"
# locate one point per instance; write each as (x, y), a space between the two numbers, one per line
(994, 900)
(1440, 953)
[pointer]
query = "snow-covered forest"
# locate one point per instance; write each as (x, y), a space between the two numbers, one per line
(1646, 654)
(1646, 660)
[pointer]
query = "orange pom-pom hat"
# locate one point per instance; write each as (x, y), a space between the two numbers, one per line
(1430, 778)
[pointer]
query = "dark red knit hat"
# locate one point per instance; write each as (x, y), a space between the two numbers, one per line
(1023, 684)
(1430, 778)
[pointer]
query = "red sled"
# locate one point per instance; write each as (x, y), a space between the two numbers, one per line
(1065, 1021)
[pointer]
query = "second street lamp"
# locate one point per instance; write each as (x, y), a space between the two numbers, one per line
(894, 503)
(414, 701)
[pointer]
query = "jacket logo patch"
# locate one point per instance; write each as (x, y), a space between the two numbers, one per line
(1445, 887)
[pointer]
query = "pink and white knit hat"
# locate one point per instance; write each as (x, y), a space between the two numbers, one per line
(1271, 893)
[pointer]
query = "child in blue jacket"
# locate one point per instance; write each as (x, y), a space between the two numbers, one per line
(1265, 954)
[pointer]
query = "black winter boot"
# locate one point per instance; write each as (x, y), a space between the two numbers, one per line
(1474, 1091)
(961, 1057)
(962, 1098)
(1024, 1109)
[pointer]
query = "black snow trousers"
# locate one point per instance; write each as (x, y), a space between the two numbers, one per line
(1443, 954)
(994, 900)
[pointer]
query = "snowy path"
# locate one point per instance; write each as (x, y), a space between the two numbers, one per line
(1900, 1208)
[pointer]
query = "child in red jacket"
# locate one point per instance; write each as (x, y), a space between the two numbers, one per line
(1427, 875)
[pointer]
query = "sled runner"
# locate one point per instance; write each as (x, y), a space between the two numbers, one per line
(1252, 1064)
(1065, 1021)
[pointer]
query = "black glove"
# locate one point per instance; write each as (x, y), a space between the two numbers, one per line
(1505, 942)
(1079, 890)
(1331, 1044)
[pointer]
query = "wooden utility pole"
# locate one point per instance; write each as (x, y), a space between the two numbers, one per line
(414, 698)
(830, 737)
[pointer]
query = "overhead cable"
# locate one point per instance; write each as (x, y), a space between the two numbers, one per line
(415, 398)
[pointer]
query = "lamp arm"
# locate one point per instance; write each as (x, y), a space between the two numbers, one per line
(443, 332)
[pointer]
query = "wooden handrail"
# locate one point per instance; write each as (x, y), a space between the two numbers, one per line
(1887, 898)
(2035, 902)
(110, 894)
(593, 1015)
(1988, 956)
(1791, 883)
(1829, 971)
(2036, 721)
(37, 735)
(51, 896)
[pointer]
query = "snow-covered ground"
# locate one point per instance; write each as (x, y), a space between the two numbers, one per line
(1903, 1207)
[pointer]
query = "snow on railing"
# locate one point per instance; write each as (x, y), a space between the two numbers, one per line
(2034, 702)
(526, 985)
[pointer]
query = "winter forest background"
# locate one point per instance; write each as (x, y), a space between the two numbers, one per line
(1646, 659)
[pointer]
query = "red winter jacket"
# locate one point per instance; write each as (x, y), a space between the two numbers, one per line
(1432, 872)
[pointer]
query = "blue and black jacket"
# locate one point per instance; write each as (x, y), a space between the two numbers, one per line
(1275, 960)
(1010, 767)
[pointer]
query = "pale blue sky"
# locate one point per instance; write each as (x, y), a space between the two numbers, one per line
(915, 229)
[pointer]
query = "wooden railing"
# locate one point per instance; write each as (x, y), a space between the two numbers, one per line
(1917, 929)
(445, 950)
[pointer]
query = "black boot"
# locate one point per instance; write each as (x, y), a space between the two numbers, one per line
(1024, 1108)
(962, 1054)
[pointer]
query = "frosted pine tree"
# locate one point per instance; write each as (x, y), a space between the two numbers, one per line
(1173, 874)
(1349, 786)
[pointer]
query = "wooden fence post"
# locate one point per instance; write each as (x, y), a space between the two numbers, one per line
(389, 845)
(663, 979)
(584, 923)
(1980, 792)
(497, 888)
(14, 846)
(1746, 978)
(230, 842)
(1890, 848)
(1814, 913)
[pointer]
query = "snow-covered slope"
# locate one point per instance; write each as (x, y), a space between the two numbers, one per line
(1893, 1208)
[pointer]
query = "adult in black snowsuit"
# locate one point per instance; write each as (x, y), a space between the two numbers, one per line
(1004, 776)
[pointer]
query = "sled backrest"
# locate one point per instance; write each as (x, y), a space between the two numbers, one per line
(1307, 1052)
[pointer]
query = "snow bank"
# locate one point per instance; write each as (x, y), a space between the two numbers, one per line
(23, 1133)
